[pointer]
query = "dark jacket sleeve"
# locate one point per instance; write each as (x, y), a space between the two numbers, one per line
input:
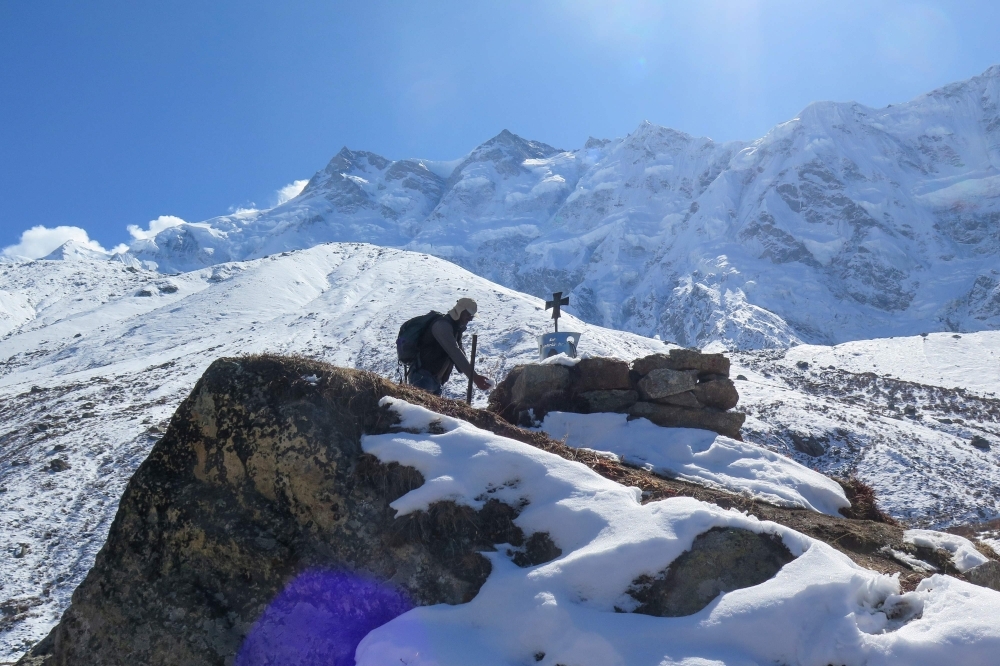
(445, 337)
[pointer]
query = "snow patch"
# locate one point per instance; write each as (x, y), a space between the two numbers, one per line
(963, 553)
(701, 457)
(527, 231)
(824, 252)
(963, 192)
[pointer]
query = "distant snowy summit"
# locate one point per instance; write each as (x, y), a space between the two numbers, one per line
(843, 223)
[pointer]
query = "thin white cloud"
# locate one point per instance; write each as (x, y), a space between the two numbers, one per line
(40, 241)
(155, 227)
(290, 191)
(250, 207)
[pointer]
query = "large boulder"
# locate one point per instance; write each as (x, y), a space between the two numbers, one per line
(669, 416)
(663, 382)
(257, 514)
(601, 374)
(720, 560)
(643, 366)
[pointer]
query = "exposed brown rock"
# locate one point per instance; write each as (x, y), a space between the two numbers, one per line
(684, 359)
(643, 366)
(596, 374)
(664, 382)
(683, 381)
(987, 575)
(668, 416)
(501, 400)
(258, 481)
(608, 401)
(720, 393)
(808, 444)
(686, 399)
(690, 359)
(720, 560)
(536, 381)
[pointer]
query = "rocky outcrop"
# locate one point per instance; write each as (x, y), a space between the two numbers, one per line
(681, 389)
(987, 575)
(720, 560)
(668, 416)
(257, 514)
(257, 531)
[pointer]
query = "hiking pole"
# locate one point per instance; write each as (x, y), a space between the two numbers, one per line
(472, 363)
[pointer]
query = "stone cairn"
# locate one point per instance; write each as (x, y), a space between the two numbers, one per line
(682, 389)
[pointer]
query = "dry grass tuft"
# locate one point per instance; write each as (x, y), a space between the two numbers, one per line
(864, 504)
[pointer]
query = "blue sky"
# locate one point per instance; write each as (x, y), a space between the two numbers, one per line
(115, 113)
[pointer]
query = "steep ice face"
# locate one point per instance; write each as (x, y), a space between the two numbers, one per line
(843, 223)
(358, 195)
(357, 182)
(496, 200)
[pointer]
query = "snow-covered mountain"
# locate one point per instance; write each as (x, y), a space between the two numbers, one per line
(844, 223)
(98, 354)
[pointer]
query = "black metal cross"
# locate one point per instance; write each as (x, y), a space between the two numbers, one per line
(557, 302)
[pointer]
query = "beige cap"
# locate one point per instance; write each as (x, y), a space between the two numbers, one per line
(463, 305)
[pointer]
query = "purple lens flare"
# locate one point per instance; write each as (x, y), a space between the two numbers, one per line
(319, 619)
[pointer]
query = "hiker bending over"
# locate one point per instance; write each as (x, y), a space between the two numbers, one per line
(439, 349)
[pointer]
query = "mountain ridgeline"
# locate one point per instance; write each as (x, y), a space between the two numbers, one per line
(846, 222)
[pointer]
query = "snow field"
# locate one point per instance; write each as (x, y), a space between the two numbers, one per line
(968, 360)
(821, 608)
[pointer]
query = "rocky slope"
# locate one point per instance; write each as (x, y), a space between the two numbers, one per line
(259, 514)
(101, 354)
(260, 477)
(844, 223)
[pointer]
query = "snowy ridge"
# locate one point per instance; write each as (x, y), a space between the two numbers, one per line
(101, 353)
(844, 223)
(821, 608)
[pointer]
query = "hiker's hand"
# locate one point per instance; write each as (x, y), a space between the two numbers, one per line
(482, 382)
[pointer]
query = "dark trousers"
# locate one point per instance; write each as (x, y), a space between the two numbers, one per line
(423, 379)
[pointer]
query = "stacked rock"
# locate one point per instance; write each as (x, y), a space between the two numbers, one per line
(682, 389)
